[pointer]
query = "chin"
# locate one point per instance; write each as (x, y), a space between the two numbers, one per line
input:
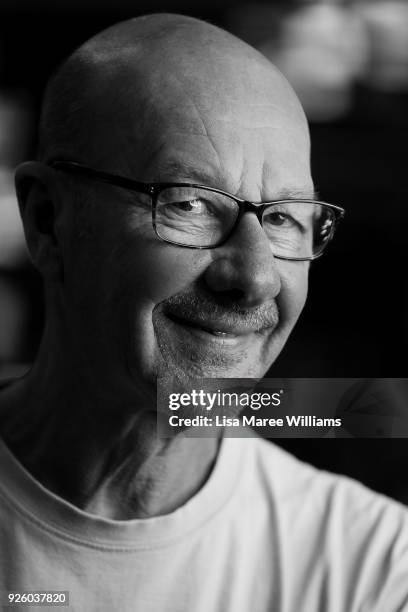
(188, 361)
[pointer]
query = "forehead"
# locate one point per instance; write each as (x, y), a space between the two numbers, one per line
(235, 119)
(246, 147)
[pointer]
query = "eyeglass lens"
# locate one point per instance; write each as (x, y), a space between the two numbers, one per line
(198, 217)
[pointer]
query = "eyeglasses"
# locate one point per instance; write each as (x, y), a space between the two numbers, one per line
(200, 217)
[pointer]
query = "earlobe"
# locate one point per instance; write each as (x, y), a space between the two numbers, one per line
(38, 200)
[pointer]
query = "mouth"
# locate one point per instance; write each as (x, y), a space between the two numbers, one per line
(214, 329)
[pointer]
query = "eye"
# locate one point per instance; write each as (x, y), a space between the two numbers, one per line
(280, 219)
(196, 206)
(192, 207)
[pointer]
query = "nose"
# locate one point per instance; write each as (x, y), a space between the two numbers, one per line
(244, 268)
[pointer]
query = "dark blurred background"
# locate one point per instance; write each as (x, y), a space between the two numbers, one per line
(348, 62)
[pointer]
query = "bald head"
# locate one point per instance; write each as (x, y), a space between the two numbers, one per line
(125, 91)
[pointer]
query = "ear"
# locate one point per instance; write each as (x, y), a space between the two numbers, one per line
(40, 209)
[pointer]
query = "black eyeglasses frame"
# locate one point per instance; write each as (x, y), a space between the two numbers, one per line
(154, 190)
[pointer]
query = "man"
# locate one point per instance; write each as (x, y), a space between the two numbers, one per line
(92, 501)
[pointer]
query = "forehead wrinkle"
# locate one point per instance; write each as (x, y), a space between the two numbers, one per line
(211, 100)
(198, 115)
(176, 170)
(251, 115)
(307, 193)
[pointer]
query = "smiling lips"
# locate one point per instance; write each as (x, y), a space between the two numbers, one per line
(215, 328)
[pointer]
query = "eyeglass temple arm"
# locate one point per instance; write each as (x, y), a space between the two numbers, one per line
(100, 175)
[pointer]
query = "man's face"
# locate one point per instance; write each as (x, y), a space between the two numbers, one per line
(143, 307)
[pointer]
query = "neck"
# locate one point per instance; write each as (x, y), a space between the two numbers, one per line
(101, 455)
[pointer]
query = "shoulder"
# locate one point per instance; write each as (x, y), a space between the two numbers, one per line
(328, 505)
(331, 525)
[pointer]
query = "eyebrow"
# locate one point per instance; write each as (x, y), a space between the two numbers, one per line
(172, 169)
(302, 194)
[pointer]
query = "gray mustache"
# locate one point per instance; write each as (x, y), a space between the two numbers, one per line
(201, 309)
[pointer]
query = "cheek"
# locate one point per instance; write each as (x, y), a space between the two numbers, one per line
(158, 270)
(293, 294)
(140, 265)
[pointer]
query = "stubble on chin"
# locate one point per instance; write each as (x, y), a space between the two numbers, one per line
(185, 360)
(179, 356)
(184, 356)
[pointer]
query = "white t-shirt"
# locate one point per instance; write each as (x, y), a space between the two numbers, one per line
(265, 533)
